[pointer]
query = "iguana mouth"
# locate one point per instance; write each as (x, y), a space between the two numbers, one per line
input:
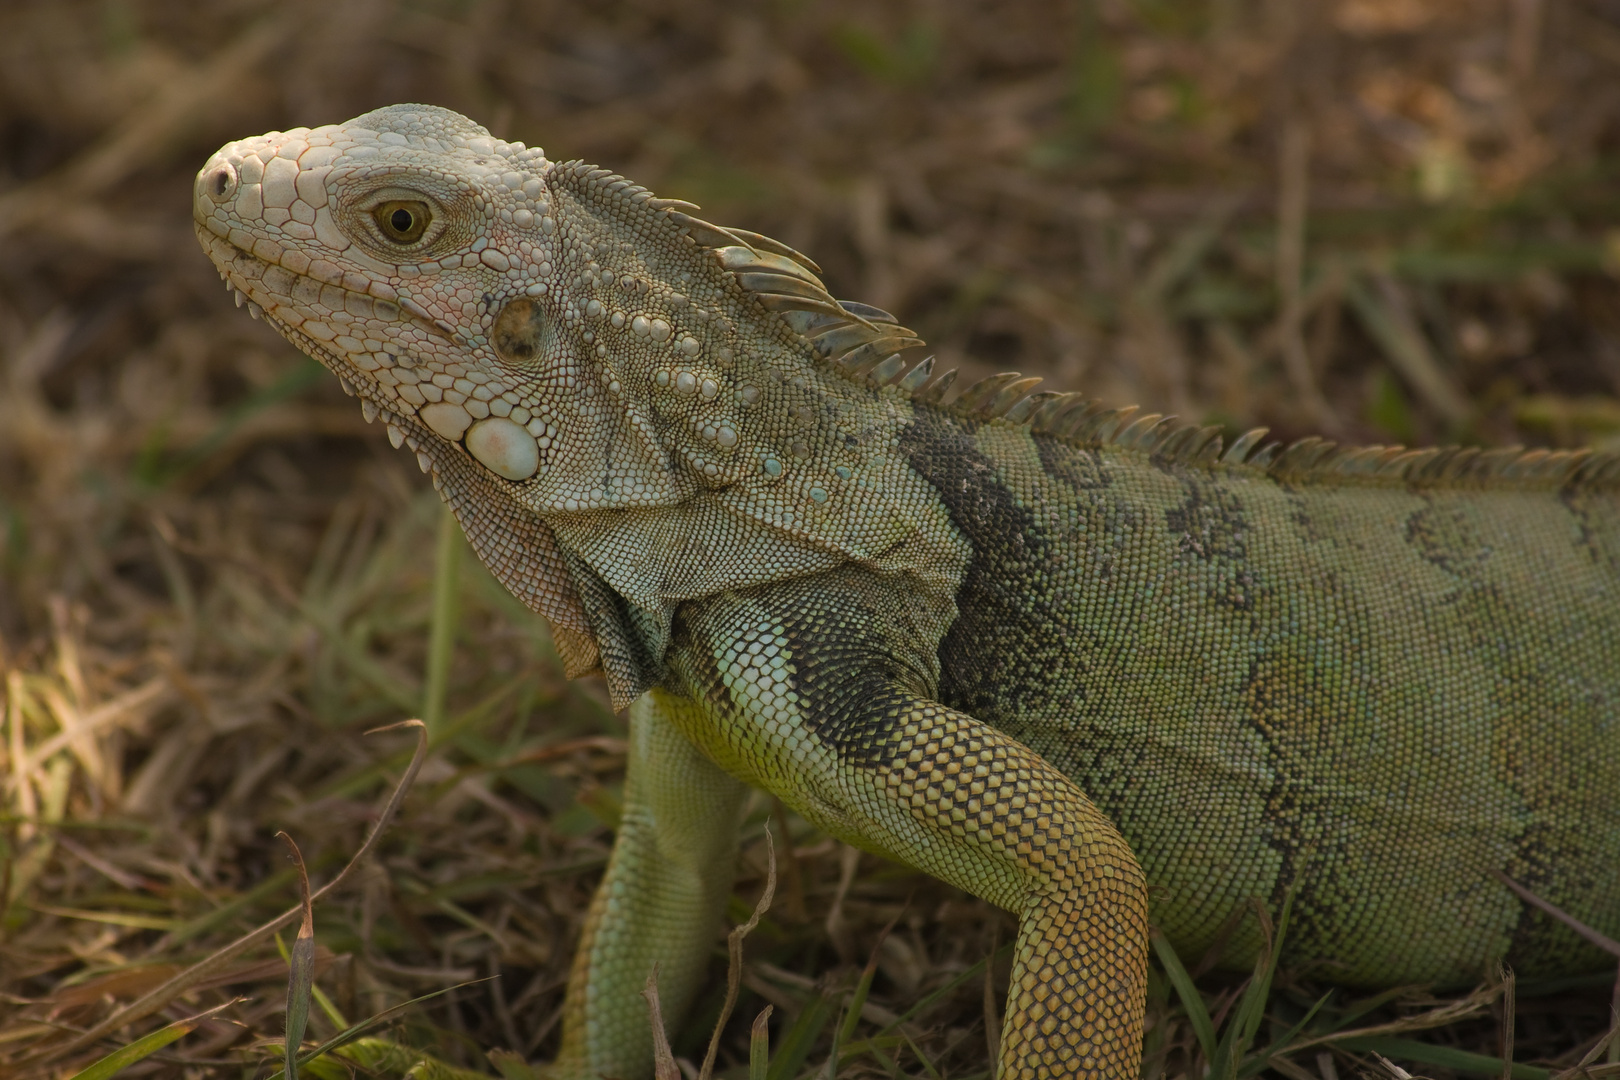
(243, 273)
(242, 269)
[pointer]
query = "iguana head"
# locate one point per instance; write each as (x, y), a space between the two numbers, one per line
(588, 345)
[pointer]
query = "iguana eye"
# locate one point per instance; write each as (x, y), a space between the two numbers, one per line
(402, 220)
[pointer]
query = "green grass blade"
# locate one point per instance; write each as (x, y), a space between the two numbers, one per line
(300, 968)
(1448, 1057)
(1251, 1008)
(333, 1013)
(511, 1065)
(801, 1038)
(350, 1035)
(1197, 1015)
(300, 981)
(759, 1046)
(1356, 1010)
(845, 1031)
(126, 919)
(916, 1051)
(442, 636)
(857, 1002)
(152, 472)
(974, 972)
(271, 886)
(383, 1059)
(145, 1046)
(1279, 1047)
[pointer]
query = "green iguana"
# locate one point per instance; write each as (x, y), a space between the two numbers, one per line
(1087, 665)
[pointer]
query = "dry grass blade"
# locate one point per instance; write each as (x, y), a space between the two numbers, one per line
(1394, 1070)
(734, 969)
(1293, 202)
(1385, 311)
(664, 1067)
(1611, 1042)
(156, 999)
(145, 133)
(1609, 1045)
(849, 860)
(1586, 1068)
(118, 710)
(1451, 1012)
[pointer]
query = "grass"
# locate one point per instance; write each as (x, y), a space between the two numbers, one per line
(214, 577)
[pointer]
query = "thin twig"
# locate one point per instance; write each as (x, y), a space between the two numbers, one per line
(734, 943)
(1509, 1008)
(1602, 941)
(1293, 200)
(664, 1067)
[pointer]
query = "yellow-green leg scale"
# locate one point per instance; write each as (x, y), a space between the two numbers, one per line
(659, 902)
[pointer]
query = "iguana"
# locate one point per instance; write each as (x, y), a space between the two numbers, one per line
(1089, 665)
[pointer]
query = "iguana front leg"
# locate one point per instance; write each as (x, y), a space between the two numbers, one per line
(659, 902)
(819, 690)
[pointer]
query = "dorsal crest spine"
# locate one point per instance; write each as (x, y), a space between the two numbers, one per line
(868, 346)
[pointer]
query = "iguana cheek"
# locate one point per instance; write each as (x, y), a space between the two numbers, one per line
(500, 445)
(504, 448)
(448, 421)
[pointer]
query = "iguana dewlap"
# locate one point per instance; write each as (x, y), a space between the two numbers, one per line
(1056, 655)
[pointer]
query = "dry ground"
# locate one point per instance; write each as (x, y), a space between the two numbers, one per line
(1391, 220)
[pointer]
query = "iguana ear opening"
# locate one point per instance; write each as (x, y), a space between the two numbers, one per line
(519, 334)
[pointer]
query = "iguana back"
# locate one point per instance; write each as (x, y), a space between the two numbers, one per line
(1373, 692)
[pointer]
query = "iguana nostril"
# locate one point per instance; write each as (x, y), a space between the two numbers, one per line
(220, 182)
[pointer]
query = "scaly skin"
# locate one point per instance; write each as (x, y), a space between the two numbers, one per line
(667, 880)
(1051, 658)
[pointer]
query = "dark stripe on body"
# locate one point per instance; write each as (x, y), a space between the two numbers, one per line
(843, 630)
(1000, 659)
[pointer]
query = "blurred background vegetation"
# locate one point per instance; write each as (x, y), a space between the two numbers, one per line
(1386, 220)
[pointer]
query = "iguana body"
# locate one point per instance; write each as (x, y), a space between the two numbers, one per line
(1060, 659)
